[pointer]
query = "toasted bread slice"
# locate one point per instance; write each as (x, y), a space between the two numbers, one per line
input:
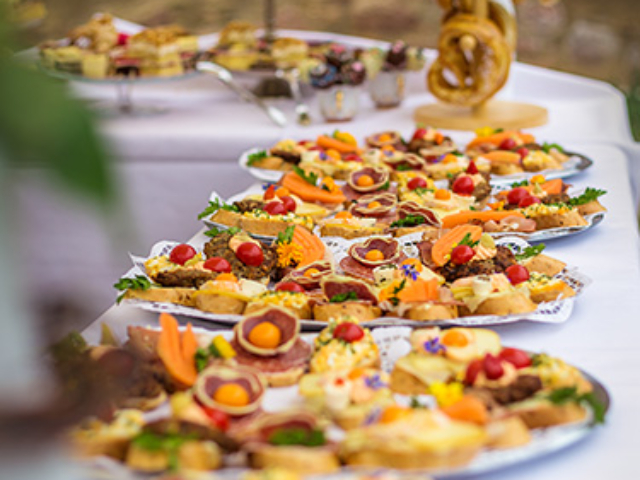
(179, 296)
(572, 218)
(219, 302)
(363, 311)
(544, 264)
(428, 311)
(225, 217)
(590, 208)
(513, 303)
(302, 460)
(191, 455)
(348, 231)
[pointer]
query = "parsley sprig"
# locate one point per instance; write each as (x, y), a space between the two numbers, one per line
(466, 240)
(170, 443)
(343, 297)
(216, 205)
(404, 168)
(255, 157)
(311, 178)
(298, 436)
(215, 231)
(532, 251)
(139, 282)
(409, 221)
(522, 183)
(396, 290)
(562, 396)
(547, 147)
(286, 236)
(589, 195)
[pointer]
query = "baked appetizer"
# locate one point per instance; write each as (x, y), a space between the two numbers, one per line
(430, 143)
(269, 340)
(346, 225)
(335, 155)
(374, 252)
(346, 296)
(367, 180)
(412, 218)
(344, 345)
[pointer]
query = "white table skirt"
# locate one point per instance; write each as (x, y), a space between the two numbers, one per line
(601, 336)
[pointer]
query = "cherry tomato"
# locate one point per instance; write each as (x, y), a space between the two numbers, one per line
(417, 182)
(462, 254)
(218, 264)
(463, 185)
(472, 169)
(474, 368)
(515, 357)
(508, 144)
(182, 253)
(492, 367)
(289, 287)
(250, 254)
(289, 203)
(517, 274)
(530, 200)
(269, 193)
(523, 152)
(304, 142)
(352, 157)
(123, 38)
(516, 195)
(349, 332)
(275, 208)
(219, 419)
(419, 133)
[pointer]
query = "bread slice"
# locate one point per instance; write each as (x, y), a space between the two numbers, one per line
(508, 432)
(540, 413)
(225, 217)
(191, 455)
(513, 303)
(590, 208)
(348, 231)
(179, 295)
(299, 459)
(544, 264)
(266, 227)
(302, 312)
(218, 302)
(363, 311)
(572, 218)
(427, 311)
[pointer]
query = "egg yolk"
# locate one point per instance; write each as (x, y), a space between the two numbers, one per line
(226, 277)
(537, 179)
(334, 154)
(364, 181)
(385, 137)
(356, 373)
(232, 394)
(344, 214)
(450, 158)
(265, 335)
(442, 194)
(282, 192)
(455, 338)
(312, 271)
(374, 255)
(394, 413)
(374, 204)
(417, 264)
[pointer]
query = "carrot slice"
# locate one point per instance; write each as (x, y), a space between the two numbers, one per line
(420, 291)
(308, 192)
(312, 247)
(442, 248)
(189, 345)
(327, 143)
(502, 156)
(497, 138)
(171, 352)
(467, 409)
(462, 218)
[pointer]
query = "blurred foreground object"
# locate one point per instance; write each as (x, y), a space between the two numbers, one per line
(25, 14)
(477, 42)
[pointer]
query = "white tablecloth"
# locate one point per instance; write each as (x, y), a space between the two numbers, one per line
(601, 336)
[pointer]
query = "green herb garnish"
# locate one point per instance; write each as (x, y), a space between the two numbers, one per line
(343, 297)
(203, 355)
(409, 221)
(139, 282)
(415, 403)
(386, 186)
(404, 168)
(298, 436)
(396, 290)
(523, 183)
(529, 252)
(562, 396)
(421, 191)
(215, 206)
(589, 195)
(254, 158)
(311, 178)
(286, 236)
(214, 232)
(466, 240)
(546, 147)
(169, 443)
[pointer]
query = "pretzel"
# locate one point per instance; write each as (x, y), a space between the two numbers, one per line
(474, 51)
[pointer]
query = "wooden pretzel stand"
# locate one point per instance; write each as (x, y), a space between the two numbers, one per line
(476, 45)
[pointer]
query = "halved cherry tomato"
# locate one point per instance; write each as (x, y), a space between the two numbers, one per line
(508, 144)
(289, 287)
(515, 196)
(219, 419)
(182, 253)
(492, 367)
(472, 169)
(463, 185)
(250, 254)
(417, 182)
(515, 357)
(275, 208)
(474, 368)
(352, 157)
(523, 152)
(218, 264)
(269, 193)
(289, 203)
(349, 332)
(530, 200)
(462, 254)
(419, 133)
(517, 274)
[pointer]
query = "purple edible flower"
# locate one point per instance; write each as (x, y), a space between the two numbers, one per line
(410, 271)
(440, 158)
(373, 417)
(434, 346)
(323, 156)
(374, 382)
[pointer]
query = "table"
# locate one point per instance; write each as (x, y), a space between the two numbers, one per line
(601, 336)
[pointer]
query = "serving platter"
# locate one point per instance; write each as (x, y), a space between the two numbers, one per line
(556, 312)
(393, 343)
